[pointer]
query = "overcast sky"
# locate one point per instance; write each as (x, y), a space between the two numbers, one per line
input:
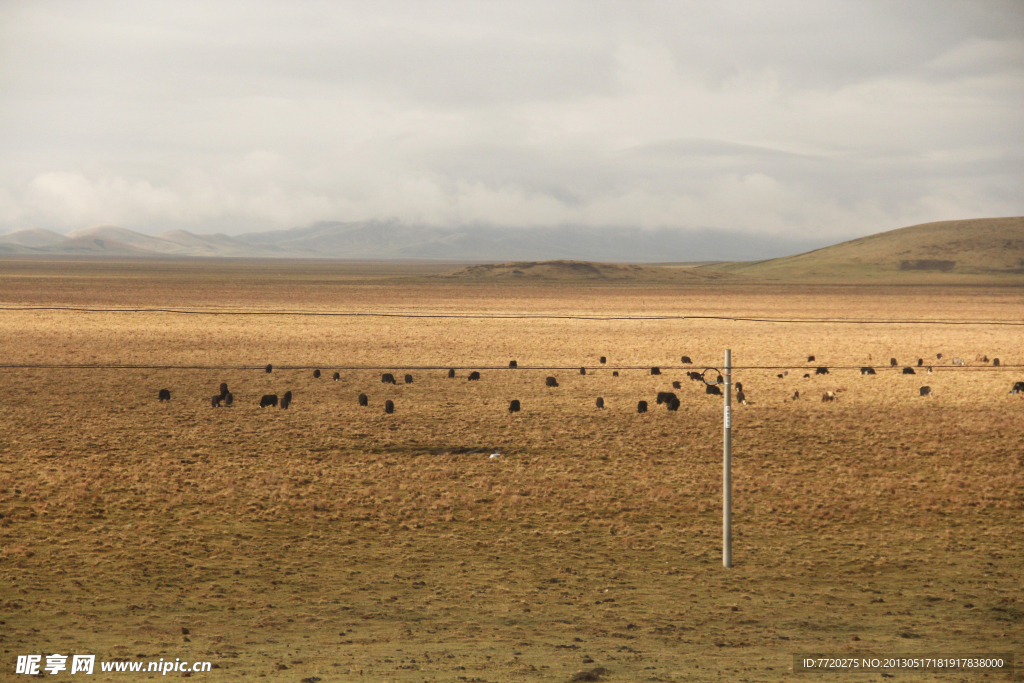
(804, 119)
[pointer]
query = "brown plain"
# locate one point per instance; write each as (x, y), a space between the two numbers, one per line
(337, 543)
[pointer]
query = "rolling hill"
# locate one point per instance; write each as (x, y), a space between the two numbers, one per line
(939, 251)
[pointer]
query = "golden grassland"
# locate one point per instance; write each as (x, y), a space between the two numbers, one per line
(338, 543)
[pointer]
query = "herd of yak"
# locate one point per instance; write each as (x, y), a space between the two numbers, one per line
(667, 398)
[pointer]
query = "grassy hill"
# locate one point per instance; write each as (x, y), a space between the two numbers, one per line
(943, 251)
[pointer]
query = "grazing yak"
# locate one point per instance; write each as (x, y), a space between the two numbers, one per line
(615, 373)
(451, 373)
(583, 371)
(739, 386)
(286, 400)
(600, 402)
(551, 382)
(686, 360)
(641, 407)
(677, 385)
(713, 390)
(673, 405)
(909, 371)
(387, 378)
(270, 368)
(821, 371)
(665, 397)
(829, 397)
(808, 376)
(389, 406)
(408, 379)
(810, 359)
(867, 371)
(164, 395)
(780, 376)
(514, 406)
(268, 400)
(926, 391)
(995, 362)
(229, 398)
(473, 376)
(513, 364)
(603, 360)
(363, 400)
(223, 389)
(696, 376)
(316, 374)
(939, 356)
(741, 397)
(215, 401)
(337, 376)
(892, 362)
(1018, 387)
(655, 371)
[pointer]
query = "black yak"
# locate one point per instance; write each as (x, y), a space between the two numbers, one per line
(223, 389)
(229, 398)
(821, 371)
(603, 360)
(810, 359)
(677, 385)
(909, 371)
(165, 395)
(270, 368)
(216, 401)
(1018, 387)
(920, 362)
(583, 371)
(655, 371)
(286, 400)
(514, 406)
(892, 362)
(363, 400)
(337, 376)
(641, 407)
(451, 373)
(686, 360)
(673, 405)
(600, 402)
(387, 378)
(664, 397)
(473, 376)
(694, 375)
(316, 374)
(513, 364)
(408, 379)
(551, 382)
(389, 406)
(867, 371)
(268, 400)
(712, 390)
(741, 397)
(995, 362)
(926, 391)
(615, 373)
(739, 386)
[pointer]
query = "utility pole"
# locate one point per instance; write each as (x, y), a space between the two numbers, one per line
(727, 466)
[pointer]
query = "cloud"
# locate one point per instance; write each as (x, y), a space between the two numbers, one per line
(835, 118)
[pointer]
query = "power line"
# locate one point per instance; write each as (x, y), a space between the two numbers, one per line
(519, 316)
(328, 366)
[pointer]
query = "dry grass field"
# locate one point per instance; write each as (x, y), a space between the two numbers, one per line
(331, 542)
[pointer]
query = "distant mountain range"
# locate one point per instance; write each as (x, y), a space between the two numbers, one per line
(395, 241)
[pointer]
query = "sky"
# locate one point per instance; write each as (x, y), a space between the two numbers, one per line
(794, 119)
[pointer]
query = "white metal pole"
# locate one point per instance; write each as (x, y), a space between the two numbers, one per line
(727, 466)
